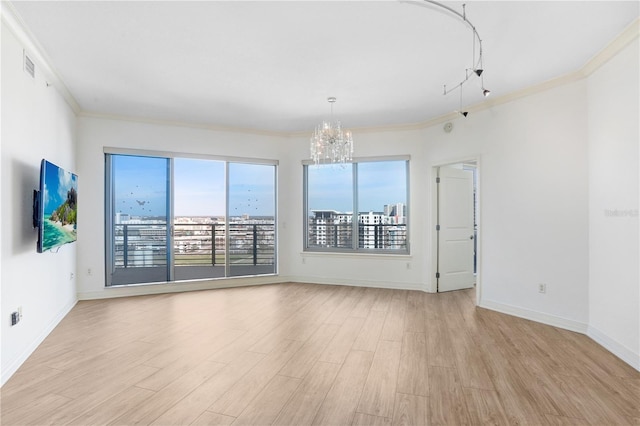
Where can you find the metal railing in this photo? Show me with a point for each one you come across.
(370, 236)
(382, 236)
(139, 245)
(335, 235)
(143, 245)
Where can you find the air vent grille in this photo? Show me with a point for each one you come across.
(29, 66)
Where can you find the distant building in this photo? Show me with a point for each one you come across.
(330, 228)
(377, 230)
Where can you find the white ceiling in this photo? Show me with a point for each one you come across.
(269, 65)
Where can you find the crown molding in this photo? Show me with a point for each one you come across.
(176, 123)
(12, 20)
(628, 35)
(14, 23)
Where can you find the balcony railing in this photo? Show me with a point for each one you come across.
(139, 245)
(370, 236)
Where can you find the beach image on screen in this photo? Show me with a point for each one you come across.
(60, 200)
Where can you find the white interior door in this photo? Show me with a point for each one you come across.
(455, 237)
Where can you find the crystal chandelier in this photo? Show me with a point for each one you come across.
(329, 143)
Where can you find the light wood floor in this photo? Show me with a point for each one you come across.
(299, 354)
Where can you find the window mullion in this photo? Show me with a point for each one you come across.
(170, 220)
(355, 230)
(305, 206)
(227, 221)
(109, 232)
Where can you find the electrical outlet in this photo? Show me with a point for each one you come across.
(89, 271)
(71, 275)
(408, 265)
(304, 260)
(542, 288)
(15, 318)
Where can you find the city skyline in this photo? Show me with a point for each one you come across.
(141, 186)
(330, 187)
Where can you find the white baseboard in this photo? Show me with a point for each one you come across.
(624, 353)
(177, 287)
(619, 350)
(355, 283)
(616, 348)
(16, 363)
(537, 316)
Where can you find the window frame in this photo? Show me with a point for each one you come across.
(108, 152)
(355, 231)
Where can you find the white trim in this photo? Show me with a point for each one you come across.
(432, 280)
(625, 354)
(364, 159)
(17, 363)
(628, 35)
(176, 154)
(358, 254)
(178, 287)
(612, 49)
(176, 123)
(355, 283)
(616, 348)
(11, 18)
(536, 316)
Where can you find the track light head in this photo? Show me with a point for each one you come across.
(464, 113)
(478, 72)
(486, 92)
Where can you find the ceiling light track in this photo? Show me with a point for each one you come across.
(477, 68)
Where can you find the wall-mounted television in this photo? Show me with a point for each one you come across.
(55, 207)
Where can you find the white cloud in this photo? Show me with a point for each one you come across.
(45, 196)
(64, 183)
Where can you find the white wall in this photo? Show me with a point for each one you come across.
(375, 270)
(533, 183)
(94, 134)
(36, 123)
(614, 283)
(547, 166)
(533, 197)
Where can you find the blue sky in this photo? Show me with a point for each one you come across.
(199, 187)
(140, 186)
(379, 183)
(57, 183)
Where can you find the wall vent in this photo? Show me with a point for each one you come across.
(29, 65)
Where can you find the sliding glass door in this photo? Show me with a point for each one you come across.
(139, 219)
(180, 219)
(252, 227)
(198, 219)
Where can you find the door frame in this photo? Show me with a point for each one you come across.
(433, 235)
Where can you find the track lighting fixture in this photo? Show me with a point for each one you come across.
(460, 111)
(485, 92)
(476, 67)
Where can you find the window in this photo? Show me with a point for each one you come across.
(177, 219)
(376, 190)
